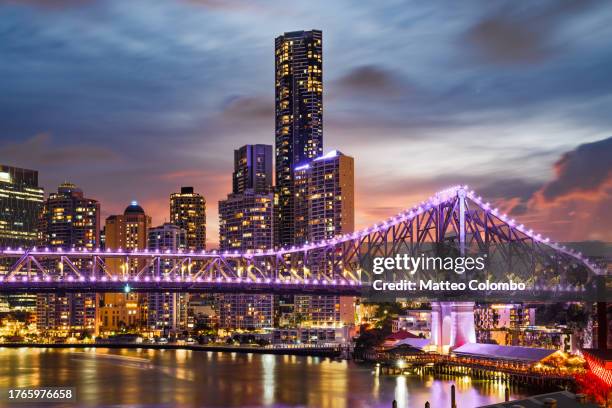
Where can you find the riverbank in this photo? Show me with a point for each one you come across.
(331, 352)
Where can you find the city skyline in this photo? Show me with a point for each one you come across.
(376, 106)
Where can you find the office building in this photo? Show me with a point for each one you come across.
(69, 220)
(167, 311)
(298, 115)
(21, 200)
(188, 211)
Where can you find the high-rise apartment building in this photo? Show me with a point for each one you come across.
(246, 222)
(188, 211)
(69, 220)
(299, 115)
(167, 311)
(128, 230)
(245, 312)
(125, 231)
(20, 203)
(324, 208)
(246, 217)
(252, 168)
(167, 236)
(324, 198)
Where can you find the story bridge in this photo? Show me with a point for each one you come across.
(453, 223)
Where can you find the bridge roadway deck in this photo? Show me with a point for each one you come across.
(191, 287)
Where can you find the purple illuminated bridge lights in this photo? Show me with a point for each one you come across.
(224, 264)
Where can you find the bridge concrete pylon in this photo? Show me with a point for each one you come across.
(452, 325)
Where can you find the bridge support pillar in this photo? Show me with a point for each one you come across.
(452, 325)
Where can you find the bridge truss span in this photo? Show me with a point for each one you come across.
(454, 222)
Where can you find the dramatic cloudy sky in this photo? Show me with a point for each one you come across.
(132, 99)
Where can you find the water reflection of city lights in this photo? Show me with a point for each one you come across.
(401, 391)
(268, 364)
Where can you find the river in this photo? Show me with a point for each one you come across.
(183, 378)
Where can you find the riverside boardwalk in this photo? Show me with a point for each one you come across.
(508, 364)
(331, 351)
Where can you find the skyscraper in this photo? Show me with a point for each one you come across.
(246, 222)
(20, 203)
(69, 220)
(167, 311)
(188, 211)
(299, 115)
(252, 168)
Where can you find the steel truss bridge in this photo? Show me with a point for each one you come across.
(454, 222)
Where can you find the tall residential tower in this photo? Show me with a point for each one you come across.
(246, 217)
(69, 220)
(299, 115)
(252, 168)
(246, 222)
(188, 211)
(324, 198)
(325, 208)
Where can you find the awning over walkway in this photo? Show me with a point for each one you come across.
(507, 353)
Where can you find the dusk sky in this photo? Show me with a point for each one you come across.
(133, 99)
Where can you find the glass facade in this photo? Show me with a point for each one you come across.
(21, 201)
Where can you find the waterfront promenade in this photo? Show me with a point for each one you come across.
(319, 350)
(477, 368)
